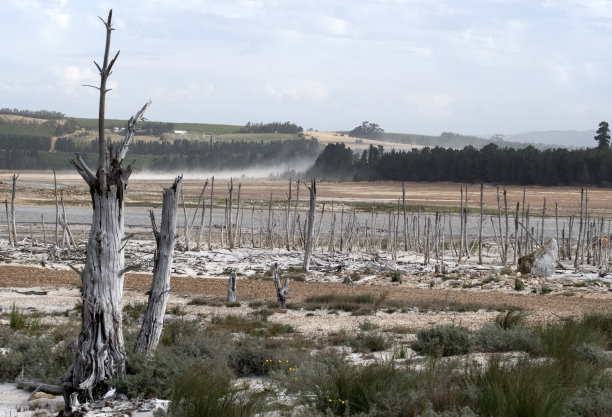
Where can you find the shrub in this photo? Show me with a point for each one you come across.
(511, 319)
(443, 341)
(366, 342)
(21, 321)
(206, 390)
(493, 338)
(518, 285)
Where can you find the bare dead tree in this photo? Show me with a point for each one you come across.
(231, 289)
(13, 225)
(201, 228)
(311, 219)
(100, 353)
(8, 224)
(230, 234)
(56, 211)
(210, 214)
(282, 290)
(153, 321)
(480, 224)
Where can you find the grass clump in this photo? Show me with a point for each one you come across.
(443, 341)
(519, 285)
(22, 321)
(207, 390)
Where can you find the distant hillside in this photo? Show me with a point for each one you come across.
(568, 138)
(457, 141)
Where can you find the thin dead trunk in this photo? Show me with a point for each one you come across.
(185, 225)
(311, 219)
(480, 225)
(578, 245)
(8, 224)
(210, 214)
(287, 216)
(231, 289)
(56, 211)
(230, 233)
(282, 290)
(14, 227)
(153, 321)
(201, 228)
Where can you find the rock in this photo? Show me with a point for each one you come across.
(540, 262)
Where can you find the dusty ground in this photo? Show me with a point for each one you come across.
(36, 187)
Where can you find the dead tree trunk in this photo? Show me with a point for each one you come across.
(100, 351)
(480, 225)
(153, 321)
(14, 227)
(210, 214)
(8, 225)
(230, 233)
(231, 289)
(56, 211)
(282, 291)
(311, 218)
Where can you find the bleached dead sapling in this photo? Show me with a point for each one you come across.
(231, 289)
(153, 321)
(311, 219)
(282, 290)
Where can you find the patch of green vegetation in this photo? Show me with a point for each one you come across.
(22, 321)
(443, 341)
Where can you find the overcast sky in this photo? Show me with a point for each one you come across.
(412, 66)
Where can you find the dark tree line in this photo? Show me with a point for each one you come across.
(39, 114)
(275, 127)
(490, 164)
(209, 155)
(13, 142)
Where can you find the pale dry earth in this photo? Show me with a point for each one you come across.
(36, 188)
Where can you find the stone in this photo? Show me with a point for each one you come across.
(540, 262)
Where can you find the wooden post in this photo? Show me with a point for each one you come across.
(153, 320)
(405, 224)
(311, 219)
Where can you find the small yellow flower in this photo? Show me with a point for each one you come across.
(329, 399)
(342, 402)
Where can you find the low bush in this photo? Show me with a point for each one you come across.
(493, 338)
(206, 390)
(443, 341)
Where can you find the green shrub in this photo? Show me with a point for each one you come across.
(525, 389)
(545, 289)
(40, 358)
(492, 338)
(368, 325)
(21, 321)
(396, 276)
(206, 390)
(367, 342)
(518, 285)
(443, 341)
(510, 319)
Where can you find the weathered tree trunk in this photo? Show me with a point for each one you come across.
(100, 351)
(580, 228)
(287, 216)
(14, 227)
(480, 225)
(42, 222)
(231, 289)
(230, 233)
(8, 224)
(282, 290)
(311, 218)
(210, 215)
(201, 228)
(153, 321)
(56, 211)
(461, 227)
